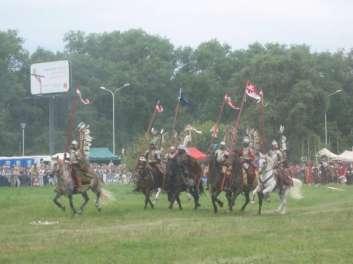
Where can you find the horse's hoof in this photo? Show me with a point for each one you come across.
(180, 208)
(99, 209)
(63, 208)
(220, 204)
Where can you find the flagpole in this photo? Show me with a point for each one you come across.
(175, 119)
(220, 114)
(71, 123)
(262, 125)
(237, 121)
(150, 124)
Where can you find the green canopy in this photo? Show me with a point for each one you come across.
(102, 155)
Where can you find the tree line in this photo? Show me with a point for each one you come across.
(296, 83)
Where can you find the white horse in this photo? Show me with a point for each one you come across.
(268, 182)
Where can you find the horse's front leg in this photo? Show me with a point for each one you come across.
(98, 198)
(282, 208)
(178, 201)
(157, 194)
(196, 196)
(171, 199)
(215, 200)
(229, 196)
(247, 200)
(85, 201)
(260, 197)
(56, 201)
(149, 199)
(74, 211)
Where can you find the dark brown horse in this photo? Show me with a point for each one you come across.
(148, 179)
(245, 179)
(232, 181)
(219, 180)
(183, 173)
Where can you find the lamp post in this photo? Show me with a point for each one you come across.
(23, 126)
(113, 92)
(336, 92)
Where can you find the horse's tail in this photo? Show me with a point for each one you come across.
(107, 196)
(296, 190)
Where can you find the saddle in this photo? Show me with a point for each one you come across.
(284, 177)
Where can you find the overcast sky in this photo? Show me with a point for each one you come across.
(322, 24)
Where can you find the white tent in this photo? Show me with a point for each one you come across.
(346, 156)
(326, 153)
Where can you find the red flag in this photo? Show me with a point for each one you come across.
(230, 102)
(251, 91)
(159, 108)
(84, 101)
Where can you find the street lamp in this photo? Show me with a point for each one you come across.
(23, 126)
(113, 92)
(336, 92)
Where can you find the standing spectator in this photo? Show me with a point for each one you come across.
(341, 172)
(308, 173)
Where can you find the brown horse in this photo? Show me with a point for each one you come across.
(65, 186)
(245, 179)
(147, 180)
(183, 173)
(232, 181)
(219, 180)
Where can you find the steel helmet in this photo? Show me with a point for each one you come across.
(274, 144)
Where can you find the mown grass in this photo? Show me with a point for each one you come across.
(317, 229)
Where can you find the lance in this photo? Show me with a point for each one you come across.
(262, 125)
(216, 126)
(71, 123)
(237, 121)
(175, 120)
(150, 124)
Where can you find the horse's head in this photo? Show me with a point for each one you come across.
(265, 163)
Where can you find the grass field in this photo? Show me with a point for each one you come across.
(317, 229)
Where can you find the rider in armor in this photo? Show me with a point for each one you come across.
(221, 153)
(221, 156)
(276, 154)
(247, 156)
(74, 163)
(153, 156)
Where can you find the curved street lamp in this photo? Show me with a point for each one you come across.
(113, 92)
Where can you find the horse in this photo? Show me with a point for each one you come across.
(183, 173)
(219, 180)
(246, 179)
(271, 180)
(148, 180)
(65, 186)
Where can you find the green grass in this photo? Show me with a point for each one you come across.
(317, 229)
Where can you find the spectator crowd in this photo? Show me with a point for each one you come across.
(41, 174)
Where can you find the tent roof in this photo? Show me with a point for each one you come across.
(327, 153)
(196, 154)
(101, 154)
(345, 156)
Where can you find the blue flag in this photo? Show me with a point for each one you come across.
(183, 100)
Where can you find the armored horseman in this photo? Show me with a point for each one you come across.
(153, 157)
(247, 156)
(78, 158)
(280, 163)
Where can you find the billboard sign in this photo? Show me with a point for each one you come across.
(50, 77)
